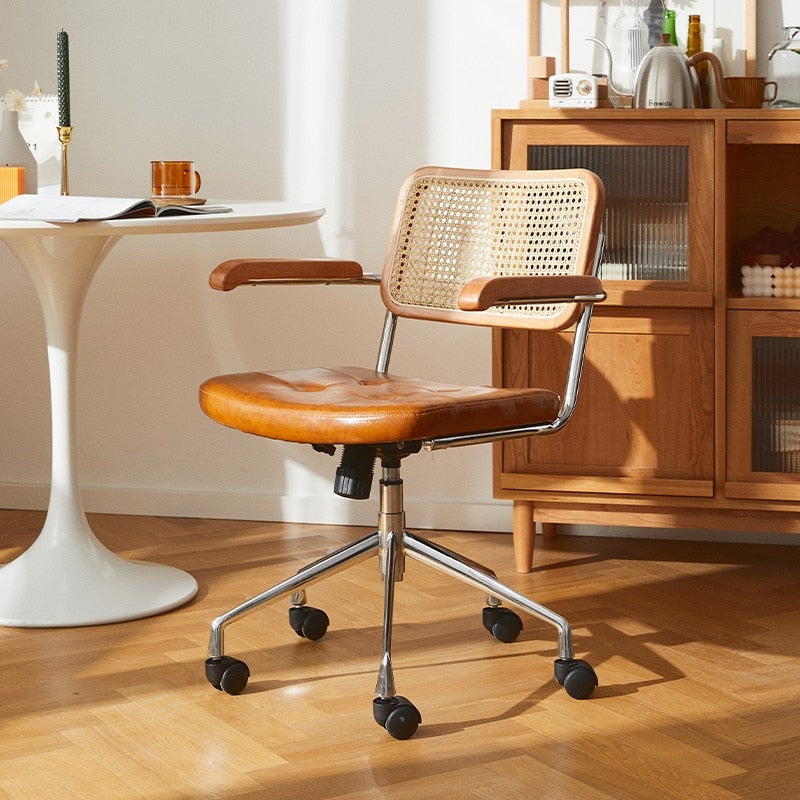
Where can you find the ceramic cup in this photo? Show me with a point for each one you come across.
(750, 92)
(175, 179)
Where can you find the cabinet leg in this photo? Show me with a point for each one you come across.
(524, 531)
(549, 530)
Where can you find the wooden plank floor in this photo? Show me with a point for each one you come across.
(697, 647)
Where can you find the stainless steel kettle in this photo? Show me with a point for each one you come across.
(666, 78)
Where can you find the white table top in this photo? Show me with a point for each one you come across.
(244, 216)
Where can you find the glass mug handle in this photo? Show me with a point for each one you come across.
(197, 180)
(774, 86)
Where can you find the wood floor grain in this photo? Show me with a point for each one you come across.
(697, 647)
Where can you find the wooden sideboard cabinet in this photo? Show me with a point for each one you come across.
(689, 412)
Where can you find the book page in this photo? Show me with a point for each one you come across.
(70, 208)
(76, 208)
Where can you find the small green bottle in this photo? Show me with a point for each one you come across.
(669, 25)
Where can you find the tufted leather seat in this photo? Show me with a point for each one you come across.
(353, 405)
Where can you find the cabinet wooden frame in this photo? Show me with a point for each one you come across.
(747, 168)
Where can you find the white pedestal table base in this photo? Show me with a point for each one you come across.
(66, 577)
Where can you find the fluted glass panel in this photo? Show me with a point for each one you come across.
(776, 404)
(647, 204)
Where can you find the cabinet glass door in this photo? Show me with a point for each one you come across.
(646, 219)
(659, 178)
(775, 410)
(763, 439)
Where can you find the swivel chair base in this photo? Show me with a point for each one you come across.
(392, 542)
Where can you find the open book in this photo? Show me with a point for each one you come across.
(74, 208)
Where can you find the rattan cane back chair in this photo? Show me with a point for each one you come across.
(501, 249)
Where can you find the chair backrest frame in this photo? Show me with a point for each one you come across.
(452, 225)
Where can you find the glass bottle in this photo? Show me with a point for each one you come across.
(669, 25)
(629, 44)
(654, 17)
(694, 44)
(784, 69)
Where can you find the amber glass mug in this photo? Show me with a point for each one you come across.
(175, 179)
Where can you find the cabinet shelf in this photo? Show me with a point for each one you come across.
(764, 304)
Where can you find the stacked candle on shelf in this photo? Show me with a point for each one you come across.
(770, 261)
(786, 282)
(765, 279)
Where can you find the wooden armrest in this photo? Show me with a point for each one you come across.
(482, 293)
(236, 272)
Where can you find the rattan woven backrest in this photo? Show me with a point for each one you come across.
(452, 226)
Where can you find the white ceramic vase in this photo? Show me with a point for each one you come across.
(14, 150)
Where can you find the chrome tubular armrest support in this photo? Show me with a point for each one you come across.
(387, 341)
(568, 401)
(568, 398)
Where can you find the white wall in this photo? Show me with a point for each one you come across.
(329, 100)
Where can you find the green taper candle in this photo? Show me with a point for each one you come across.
(62, 69)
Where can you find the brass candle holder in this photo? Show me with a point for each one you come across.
(64, 136)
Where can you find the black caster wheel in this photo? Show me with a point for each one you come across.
(576, 676)
(503, 624)
(308, 622)
(227, 674)
(398, 715)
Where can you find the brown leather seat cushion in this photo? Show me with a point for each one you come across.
(351, 405)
